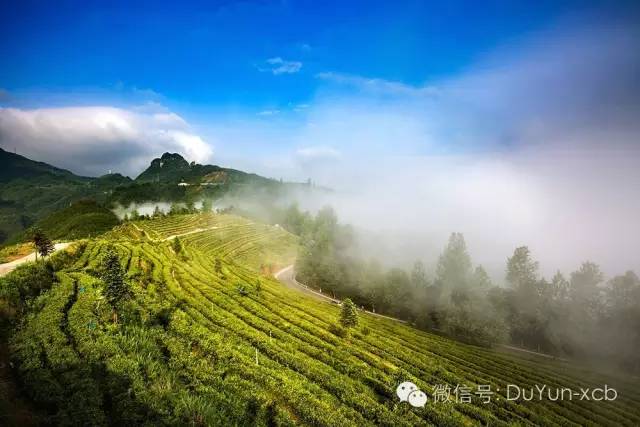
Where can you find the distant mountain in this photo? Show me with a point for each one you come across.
(112, 180)
(32, 191)
(172, 168)
(15, 166)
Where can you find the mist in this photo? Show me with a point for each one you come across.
(534, 145)
(567, 208)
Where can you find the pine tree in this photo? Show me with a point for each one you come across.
(115, 290)
(349, 314)
(176, 244)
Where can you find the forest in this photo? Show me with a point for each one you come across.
(579, 315)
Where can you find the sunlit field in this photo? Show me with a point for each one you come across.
(211, 338)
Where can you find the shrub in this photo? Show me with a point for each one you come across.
(339, 331)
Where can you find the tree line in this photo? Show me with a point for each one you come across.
(579, 316)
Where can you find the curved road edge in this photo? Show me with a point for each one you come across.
(288, 278)
(8, 267)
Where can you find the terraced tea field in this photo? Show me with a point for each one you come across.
(210, 338)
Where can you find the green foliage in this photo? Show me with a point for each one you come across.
(207, 205)
(30, 191)
(185, 350)
(20, 287)
(475, 324)
(348, 314)
(33, 191)
(242, 289)
(176, 245)
(84, 218)
(339, 330)
(522, 271)
(43, 245)
(454, 265)
(115, 289)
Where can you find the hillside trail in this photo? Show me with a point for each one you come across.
(197, 230)
(287, 277)
(8, 267)
(173, 236)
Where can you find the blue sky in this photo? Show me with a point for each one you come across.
(266, 85)
(206, 55)
(513, 122)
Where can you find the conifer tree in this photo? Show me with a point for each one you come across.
(115, 290)
(176, 244)
(349, 314)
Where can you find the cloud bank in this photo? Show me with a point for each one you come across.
(536, 144)
(94, 140)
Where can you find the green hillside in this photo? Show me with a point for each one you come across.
(15, 166)
(84, 218)
(209, 338)
(31, 191)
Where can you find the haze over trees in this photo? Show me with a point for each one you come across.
(581, 317)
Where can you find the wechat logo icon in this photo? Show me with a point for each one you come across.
(409, 392)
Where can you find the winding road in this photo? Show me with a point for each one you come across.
(8, 267)
(287, 276)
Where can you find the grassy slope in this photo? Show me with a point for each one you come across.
(84, 218)
(188, 351)
(12, 253)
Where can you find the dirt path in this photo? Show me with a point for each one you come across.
(173, 236)
(287, 277)
(10, 266)
(197, 230)
(524, 350)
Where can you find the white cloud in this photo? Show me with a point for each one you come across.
(277, 65)
(268, 112)
(378, 86)
(300, 107)
(317, 153)
(92, 140)
(193, 147)
(536, 145)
